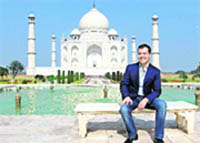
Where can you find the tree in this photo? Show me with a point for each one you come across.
(39, 77)
(72, 76)
(63, 77)
(51, 78)
(82, 75)
(195, 76)
(179, 72)
(68, 77)
(107, 75)
(3, 72)
(183, 76)
(113, 76)
(196, 71)
(58, 77)
(15, 67)
(118, 74)
(77, 76)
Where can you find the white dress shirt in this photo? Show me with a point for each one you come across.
(142, 74)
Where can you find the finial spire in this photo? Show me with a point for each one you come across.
(94, 5)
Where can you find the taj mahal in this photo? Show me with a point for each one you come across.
(93, 48)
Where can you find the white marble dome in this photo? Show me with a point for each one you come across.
(31, 16)
(75, 32)
(112, 32)
(94, 20)
(155, 17)
(53, 36)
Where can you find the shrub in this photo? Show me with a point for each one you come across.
(107, 75)
(164, 80)
(26, 81)
(4, 80)
(43, 80)
(39, 77)
(176, 80)
(51, 78)
(63, 77)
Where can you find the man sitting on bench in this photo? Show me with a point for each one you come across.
(140, 88)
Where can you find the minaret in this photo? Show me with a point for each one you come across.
(134, 60)
(53, 54)
(31, 45)
(94, 5)
(155, 43)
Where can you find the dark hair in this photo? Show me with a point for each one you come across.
(144, 46)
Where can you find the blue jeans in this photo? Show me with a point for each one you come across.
(157, 104)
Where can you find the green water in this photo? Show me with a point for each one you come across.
(63, 100)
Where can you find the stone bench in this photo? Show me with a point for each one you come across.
(185, 113)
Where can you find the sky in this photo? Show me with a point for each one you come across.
(179, 27)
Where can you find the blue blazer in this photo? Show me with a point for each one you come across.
(129, 86)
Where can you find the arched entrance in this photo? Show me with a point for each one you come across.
(94, 56)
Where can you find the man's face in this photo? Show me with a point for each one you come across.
(143, 55)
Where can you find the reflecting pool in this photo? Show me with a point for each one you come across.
(62, 100)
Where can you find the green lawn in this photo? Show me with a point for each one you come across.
(31, 81)
(177, 79)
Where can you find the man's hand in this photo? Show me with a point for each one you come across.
(127, 100)
(143, 103)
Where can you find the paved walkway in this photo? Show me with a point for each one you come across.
(104, 129)
(96, 80)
